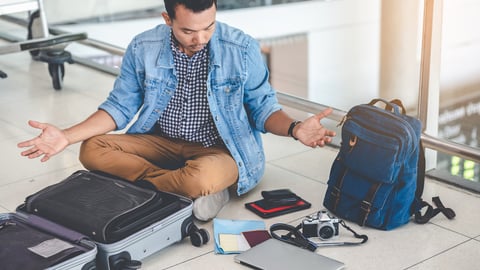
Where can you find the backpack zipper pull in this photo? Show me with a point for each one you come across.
(344, 119)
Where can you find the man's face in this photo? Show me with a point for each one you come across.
(192, 30)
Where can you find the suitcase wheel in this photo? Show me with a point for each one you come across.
(123, 261)
(199, 237)
(130, 265)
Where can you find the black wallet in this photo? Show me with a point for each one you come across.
(277, 202)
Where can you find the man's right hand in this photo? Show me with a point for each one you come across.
(50, 142)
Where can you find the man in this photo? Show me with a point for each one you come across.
(201, 91)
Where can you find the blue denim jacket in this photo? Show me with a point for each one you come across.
(239, 94)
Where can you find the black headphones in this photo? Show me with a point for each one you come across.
(294, 236)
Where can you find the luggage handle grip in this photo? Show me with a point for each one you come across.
(55, 229)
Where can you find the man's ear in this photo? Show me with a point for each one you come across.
(167, 18)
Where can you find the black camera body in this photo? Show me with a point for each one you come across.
(320, 225)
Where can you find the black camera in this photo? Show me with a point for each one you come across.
(320, 225)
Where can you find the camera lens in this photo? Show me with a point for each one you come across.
(326, 231)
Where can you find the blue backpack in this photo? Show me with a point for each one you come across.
(377, 177)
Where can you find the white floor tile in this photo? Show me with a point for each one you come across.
(15, 167)
(10, 131)
(313, 163)
(463, 256)
(61, 108)
(207, 261)
(278, 147)
(396, 249)
(464, 203)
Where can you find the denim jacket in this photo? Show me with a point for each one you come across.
(239, 94)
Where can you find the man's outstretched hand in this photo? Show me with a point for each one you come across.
(312, 133)
(50, 142)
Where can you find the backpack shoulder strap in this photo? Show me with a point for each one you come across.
(432, 212)
(419, 203)
(420, 171)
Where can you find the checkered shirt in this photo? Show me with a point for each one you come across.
(187, 115)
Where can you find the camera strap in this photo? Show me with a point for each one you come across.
(364, 237)
(295, 237)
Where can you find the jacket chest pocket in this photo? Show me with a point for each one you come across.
(231, 95)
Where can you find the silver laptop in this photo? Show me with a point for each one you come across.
(274, 254)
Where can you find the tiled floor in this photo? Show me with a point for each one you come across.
(27, 93)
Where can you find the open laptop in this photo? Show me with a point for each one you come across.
(274, 254)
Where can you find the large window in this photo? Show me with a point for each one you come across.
(459, 118)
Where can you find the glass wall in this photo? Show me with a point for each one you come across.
(459, 116)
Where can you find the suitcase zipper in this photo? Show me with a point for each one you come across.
(31, 198)
(7, 224)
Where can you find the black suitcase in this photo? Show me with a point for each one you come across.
(127, 222)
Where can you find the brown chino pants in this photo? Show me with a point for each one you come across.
(171, 165)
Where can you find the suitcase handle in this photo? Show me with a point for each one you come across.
(55, 229)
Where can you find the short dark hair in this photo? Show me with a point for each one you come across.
(193, 5)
